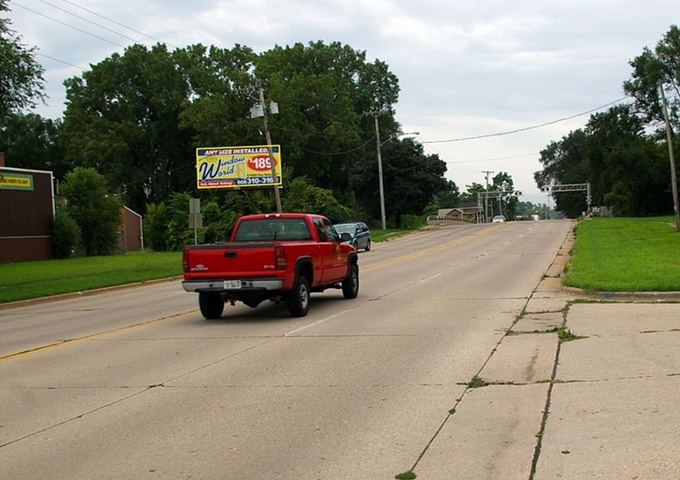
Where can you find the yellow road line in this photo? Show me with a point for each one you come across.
(50, 346)
(60, 343)
(434, 249)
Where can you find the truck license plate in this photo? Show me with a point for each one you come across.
(232, 284)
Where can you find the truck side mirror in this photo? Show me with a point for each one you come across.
(345, 237)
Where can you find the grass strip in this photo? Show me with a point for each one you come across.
(610, 255)
(20, 281)
(626, 255)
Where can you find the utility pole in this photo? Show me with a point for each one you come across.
(277, 196)
(486, 197)
(260, 110)
(381, 187)
(674, 178)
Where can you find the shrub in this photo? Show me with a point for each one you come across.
(156, 226)
(65, 233)
(412, 221)
(96, 212)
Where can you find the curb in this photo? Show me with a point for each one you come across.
(84, 293)
(659, 297)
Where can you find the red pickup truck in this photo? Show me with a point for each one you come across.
(278, 257)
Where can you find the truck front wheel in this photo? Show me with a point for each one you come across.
(350, 286)
(211, 306)
(298, 298)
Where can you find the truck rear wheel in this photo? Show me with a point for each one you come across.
(350, 285)
(298, 298)
(211, 306)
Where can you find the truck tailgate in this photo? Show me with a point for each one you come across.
(231, 260)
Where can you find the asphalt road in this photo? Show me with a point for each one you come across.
(134, 383)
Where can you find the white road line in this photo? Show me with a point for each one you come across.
(430, 278)
(318, 322)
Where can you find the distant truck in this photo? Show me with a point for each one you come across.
(278, 257)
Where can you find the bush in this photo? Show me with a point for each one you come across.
(156, 226)
(96, 212)
(413, 221)
(217, 222)
(65, 233)
(301, 196)
(178, 234)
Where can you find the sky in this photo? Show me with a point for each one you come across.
(488, 84)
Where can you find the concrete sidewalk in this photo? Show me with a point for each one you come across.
(599, 400)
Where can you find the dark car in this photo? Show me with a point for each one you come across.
(361, 236)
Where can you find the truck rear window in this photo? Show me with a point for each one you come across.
(272, 229)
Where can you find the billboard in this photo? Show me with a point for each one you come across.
(16, 181)
(235, 167)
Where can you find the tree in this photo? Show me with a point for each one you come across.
(31, 141)
(505, 203)
(95, 210)
(628, 169)
(138, 117)
(651, 67)
(471, 195)
(21, 77)
(653, 71)
(449, 198)
(122, 118)
(301, 196)
(324, 94)
(411, 180)
(65, 233)
(156, 226)
(565, 162)
(217, 111)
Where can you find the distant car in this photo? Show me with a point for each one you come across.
(361, 236)
(498, 219)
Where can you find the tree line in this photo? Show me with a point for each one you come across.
(133, 122)
(623, 152)
(137, 118)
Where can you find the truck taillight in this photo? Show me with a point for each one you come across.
(185, 260)
(280, 258)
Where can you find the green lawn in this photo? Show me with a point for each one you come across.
(626, 255)
(610, 254)
(19, 281)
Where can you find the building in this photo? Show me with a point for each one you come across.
(26, 214)
(467, 213)
(131, 231)
(27, 205)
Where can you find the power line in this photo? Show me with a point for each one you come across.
(60, 61)
(533, 127)
(83, 31)
(117, 23)
(497, 159)
(88, 21)
(70, 26)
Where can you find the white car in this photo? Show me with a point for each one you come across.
(498, 219)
